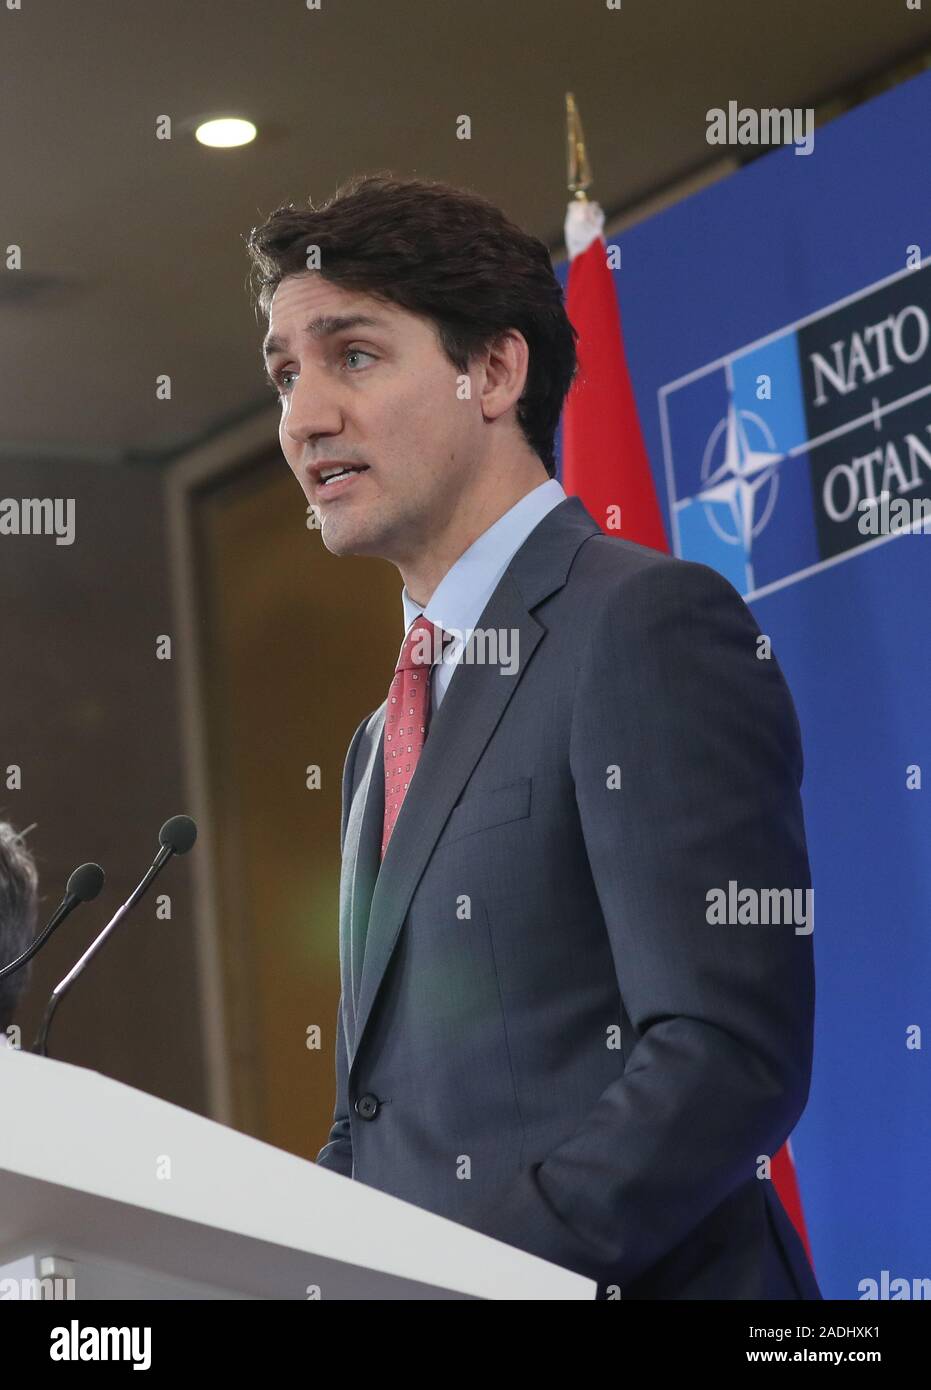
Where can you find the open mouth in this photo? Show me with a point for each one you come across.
(349, 471)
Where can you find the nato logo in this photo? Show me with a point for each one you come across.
(782, 457)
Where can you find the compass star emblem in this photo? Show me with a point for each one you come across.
(739, 478)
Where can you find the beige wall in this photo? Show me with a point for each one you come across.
(92, 718)
(297, 647)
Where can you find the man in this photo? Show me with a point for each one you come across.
(18, 909)
(544, 1032)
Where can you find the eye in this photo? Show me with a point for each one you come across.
(358, 352)
(276, 381)
(280, 383)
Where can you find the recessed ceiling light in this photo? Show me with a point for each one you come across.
(226, 132)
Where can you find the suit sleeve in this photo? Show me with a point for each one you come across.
(673, 694)
(337, 1151)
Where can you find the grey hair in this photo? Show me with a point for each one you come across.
(19, 905)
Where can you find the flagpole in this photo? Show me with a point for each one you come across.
(578, 169)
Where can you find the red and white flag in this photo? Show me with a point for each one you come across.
(604, 459)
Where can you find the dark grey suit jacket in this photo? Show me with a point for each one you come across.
(540, 1034)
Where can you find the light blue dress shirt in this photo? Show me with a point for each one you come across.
(459, 599)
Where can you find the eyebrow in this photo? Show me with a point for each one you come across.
(324, 327)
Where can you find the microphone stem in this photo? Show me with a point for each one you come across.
(62, 988)
(61, 912)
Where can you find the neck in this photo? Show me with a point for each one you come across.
(423, 573)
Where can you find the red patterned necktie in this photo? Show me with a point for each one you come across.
(407, 716)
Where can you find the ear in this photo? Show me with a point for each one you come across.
(506, 364)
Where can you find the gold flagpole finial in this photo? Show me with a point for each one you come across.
(578, 170)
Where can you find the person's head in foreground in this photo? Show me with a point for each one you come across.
(430, 353)
(18, 909)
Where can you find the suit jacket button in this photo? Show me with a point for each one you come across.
(367, 1106)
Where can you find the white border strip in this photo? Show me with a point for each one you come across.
(914, 530)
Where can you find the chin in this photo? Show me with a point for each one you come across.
(346, 541)
(336, 545)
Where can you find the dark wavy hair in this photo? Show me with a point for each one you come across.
(446, 254)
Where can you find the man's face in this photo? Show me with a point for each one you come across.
(382, 394)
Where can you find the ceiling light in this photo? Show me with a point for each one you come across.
(226, 132)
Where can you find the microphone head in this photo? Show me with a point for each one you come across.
(178, 834)
(85, 883)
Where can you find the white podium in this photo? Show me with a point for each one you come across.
(134, 1198)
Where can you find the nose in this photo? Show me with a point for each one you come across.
(311, 408)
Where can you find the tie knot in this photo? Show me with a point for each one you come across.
(422, 646)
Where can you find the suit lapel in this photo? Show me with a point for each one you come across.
(362, 852)
(472, 706)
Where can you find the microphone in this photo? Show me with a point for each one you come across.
(82, 887)
(176, 836)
